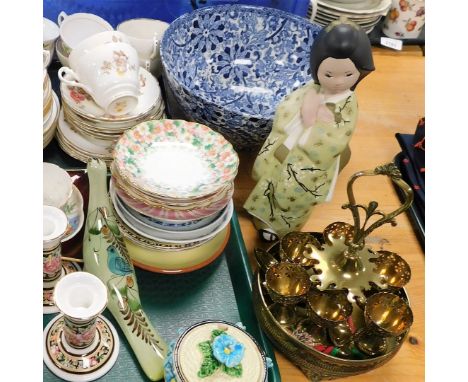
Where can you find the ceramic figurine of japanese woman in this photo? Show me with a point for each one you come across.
(299, 162)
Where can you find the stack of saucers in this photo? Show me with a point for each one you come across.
(172, 185)
(365, 13)
(84, 128)
(50, 110)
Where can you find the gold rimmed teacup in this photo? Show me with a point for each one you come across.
(287, 284)
(296, 247)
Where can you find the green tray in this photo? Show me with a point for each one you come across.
(221, 290)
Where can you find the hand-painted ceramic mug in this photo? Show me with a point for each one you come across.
(145, 36)
(405, 19)
(109, 73)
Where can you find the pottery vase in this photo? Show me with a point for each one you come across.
(106, 256)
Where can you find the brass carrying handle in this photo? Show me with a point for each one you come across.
(360, 233)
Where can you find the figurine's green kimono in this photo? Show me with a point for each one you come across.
(297, 165)
(299, 162)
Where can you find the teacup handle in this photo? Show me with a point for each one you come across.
(45, 57)
(64, 71)
(62, 16)
(313, 13)
(155, 45)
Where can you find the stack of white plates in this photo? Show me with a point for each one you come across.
(85, 130)
(50, 110)
(365, 13)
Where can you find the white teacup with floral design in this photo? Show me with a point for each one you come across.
(96, 40)
(145, 36)
(405, 19)
(81, 297)
(109, 73)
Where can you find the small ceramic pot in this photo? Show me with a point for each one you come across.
(79, 26)
(54, 227)
(145, 36)
(109, 73)
(405, 19)
(81, 297)
(215, 350)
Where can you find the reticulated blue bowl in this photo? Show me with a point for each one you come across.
(229, 66)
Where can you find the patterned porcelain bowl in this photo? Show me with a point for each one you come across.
(229, 66)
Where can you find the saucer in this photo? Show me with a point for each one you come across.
(83, 104)
(48, 293)
(69, 364)
(75, 214)
(79, 142)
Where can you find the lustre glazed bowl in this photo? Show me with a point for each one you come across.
(229, 66)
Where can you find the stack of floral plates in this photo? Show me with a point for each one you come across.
(172, 186)
(85, 130)
(365, 13)
(50, 110)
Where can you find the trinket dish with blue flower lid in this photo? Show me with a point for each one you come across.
(218, 351)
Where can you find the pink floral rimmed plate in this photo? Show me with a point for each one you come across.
(83, 104)
(168, 214)
(175, 158)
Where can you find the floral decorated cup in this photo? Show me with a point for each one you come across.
(88, 44)
(405, 19)
(109, 73)
(81, 297)
(145, 36)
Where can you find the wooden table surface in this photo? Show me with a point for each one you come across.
(391, 100)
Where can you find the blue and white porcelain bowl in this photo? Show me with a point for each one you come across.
(229, 66)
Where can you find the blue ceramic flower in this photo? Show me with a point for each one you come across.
(228, 350)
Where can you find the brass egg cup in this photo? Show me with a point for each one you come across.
(328, 308)
(370, 344)
(387, 314)
(264, 259)
(297, 247)
(393, 268)
(287, 284)
(341, 334)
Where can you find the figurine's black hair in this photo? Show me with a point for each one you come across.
(342, 40)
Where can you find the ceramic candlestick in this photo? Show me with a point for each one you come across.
(54, 227)
(105, 256)
(80, 345)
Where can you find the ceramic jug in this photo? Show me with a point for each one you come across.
(105, 256)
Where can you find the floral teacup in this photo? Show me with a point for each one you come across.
(109, 73)
(405, 19)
